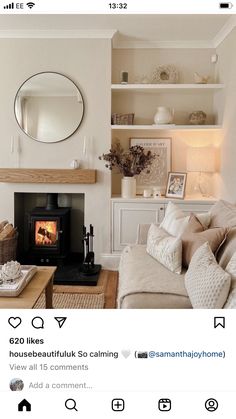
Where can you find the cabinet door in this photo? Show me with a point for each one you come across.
(127, 216)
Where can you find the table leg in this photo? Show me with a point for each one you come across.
(49, 293)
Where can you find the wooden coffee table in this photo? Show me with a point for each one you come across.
(42, 280)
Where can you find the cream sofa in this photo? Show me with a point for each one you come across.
(145, 283)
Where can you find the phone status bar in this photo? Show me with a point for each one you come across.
(122, 7)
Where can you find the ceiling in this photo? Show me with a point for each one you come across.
(130, 28)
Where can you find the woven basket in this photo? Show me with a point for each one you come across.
(122, 118)
(8, 249)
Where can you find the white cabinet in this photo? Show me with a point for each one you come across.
(127, 214)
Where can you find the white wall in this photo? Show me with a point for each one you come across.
(226, 105)
(87, 63)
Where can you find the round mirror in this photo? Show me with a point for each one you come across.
(49, 107)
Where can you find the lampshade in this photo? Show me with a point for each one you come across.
(201, 159)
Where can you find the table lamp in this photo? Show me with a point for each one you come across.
(201, 160)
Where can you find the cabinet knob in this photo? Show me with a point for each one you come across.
(161, 209)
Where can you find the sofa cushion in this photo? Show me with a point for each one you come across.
(195, 235)
(231, 269)
(175, 220)
(227, 249)
(223, 214)
(193, 226)
(165, 248)
(157, 300)
(139, 273)
(206, 282)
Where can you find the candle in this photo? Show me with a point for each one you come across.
(147, 193)
(124, 77)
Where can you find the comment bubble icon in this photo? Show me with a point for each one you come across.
(37, 322)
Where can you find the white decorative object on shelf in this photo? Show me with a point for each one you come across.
(147, 193)
(11, 271)
(144, 79)
(198, 79)
(74, 164)
(128, 187)
(163, 115)
(165, 74)
(157, 193)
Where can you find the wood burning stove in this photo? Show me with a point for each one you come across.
(49, 233)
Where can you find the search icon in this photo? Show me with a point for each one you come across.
(71, 404)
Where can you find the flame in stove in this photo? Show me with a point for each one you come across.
(45, 233)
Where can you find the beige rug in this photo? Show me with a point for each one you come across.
(100, 288)
(66, 300)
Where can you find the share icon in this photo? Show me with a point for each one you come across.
(60, 321)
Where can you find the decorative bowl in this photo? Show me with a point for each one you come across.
(197, 118)
(11, 271)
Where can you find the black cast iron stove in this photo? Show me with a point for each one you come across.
(49, 232)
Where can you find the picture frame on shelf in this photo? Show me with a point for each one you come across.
(176, 185)
(160, 167)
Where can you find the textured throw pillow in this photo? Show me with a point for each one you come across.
(175, 220)
(228, 248)
(206, 282)
(231, 269)
(164, 248)
(194, 236)
(223, 214)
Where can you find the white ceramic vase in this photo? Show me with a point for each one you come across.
(128, 187)
(163, 115)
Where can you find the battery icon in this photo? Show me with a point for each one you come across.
(226, 5)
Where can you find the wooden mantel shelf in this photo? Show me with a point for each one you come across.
(72, 176)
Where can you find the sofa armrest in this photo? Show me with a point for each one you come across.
(142, 232)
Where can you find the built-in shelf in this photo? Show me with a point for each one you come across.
(167, 127)
(164, 87)
(70, 176)
(190, 199)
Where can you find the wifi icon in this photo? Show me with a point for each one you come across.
(30, 4)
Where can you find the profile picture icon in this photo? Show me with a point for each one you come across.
(16, 384)
(211, 405)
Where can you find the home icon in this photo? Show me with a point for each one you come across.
(24, 404)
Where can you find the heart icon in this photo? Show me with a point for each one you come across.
(14, 322)
(126, 353)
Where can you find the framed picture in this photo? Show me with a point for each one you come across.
(158, 170)
(176, 185)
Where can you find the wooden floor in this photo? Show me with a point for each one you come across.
(107, 284)
(111, 289)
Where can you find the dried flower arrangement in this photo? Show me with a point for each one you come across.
(131, 162)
